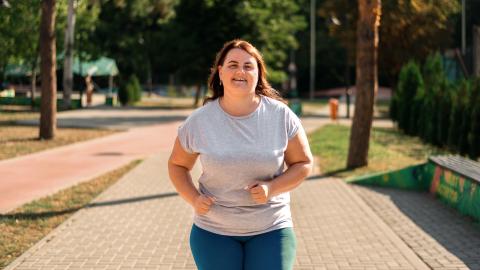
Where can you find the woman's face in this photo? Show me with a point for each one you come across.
(239, 73)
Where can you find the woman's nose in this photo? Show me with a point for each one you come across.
(241, 70)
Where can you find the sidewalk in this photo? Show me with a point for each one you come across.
(142, 223)
(33, 176)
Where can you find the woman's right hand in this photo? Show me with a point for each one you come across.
(202, 204)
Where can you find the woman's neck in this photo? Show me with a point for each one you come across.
(239, 106)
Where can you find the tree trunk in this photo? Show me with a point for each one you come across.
(47, 69)
(68, 60)
(367, 85)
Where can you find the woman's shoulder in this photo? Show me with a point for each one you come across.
(275, 104)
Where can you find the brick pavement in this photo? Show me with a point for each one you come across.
(140, 223)
(440, 236)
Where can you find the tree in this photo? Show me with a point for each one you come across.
(434, 77)
(367, 81)
(409, 29)
(16, 47)
(136, 38)
(409, 84)
(201, 27)
(48, 70)
(474, 135)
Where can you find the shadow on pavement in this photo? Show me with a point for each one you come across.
(110, 122)
(327, 175)
(47, 214)
(458, 234)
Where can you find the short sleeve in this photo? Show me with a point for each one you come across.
(185, 136)
(293, 123)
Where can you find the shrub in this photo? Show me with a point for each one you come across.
(457, 115)
(474, 132)
(443, 112)
(410, 83)
(434, 77)
(130, 92)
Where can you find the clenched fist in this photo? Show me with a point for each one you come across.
(202, 204)
(260, 192)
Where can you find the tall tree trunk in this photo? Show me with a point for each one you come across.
(68, 60)
(367, 84)
(48, 107)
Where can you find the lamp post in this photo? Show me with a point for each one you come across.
(294, 102)
(312, 48)
(463, 29)
(337, 22)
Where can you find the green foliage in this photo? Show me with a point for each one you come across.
(201, 27)
(408, 29)
(469, 103)
(443, 110)
(407, 105)
(133, 33)
(130, 92)
(19, 32)
(434, 77)
(441, 113)
(457, 115)
(474, 134)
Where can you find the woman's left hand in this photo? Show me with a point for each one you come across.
(260, 192)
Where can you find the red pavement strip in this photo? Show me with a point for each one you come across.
(33, 176)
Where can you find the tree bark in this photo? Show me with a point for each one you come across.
(48, 107)
(68, 58)
(366, 83)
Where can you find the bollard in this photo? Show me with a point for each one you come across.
(333, 102)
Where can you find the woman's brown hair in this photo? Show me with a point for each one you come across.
(262, 88)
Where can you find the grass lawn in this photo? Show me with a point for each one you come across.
(382, 108)
(311, 106)
(389, 150)
(16, 140)
(162, 102)
(23, 227)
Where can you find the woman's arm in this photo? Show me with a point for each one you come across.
(179, 166)
(299, 161)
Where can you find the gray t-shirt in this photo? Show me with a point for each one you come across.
(234, 153)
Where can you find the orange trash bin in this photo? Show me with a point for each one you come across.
(333, 102)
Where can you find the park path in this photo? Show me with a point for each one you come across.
(142, 223)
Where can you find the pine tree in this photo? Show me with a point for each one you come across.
(474, 134)
(457, 115)
(433, 76)
(410, 82)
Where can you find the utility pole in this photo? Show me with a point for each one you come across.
(68, 56)
(464, 32)
(312, 48)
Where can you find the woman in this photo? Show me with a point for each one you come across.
(243, 135)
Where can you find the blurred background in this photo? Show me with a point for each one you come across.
(170, 45)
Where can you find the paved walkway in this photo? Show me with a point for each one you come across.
(141, 223)
(146, 132)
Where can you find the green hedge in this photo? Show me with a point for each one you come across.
(130, 91)
(425, 104)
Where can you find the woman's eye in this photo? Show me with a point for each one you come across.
(248, 67)
(232, 66)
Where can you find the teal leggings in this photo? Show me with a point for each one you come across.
(273, 250)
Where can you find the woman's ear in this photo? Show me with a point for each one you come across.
(219, 70)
